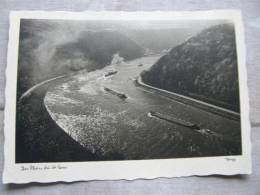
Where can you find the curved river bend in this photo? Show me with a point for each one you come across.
(123, 129)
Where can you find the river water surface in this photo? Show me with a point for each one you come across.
(123, 129)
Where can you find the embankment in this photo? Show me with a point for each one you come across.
(193, 102)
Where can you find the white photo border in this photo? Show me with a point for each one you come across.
(127, 169)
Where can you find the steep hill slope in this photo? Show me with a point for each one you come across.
(204, 67)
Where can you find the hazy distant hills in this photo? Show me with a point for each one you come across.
(50, 49)
(203, 67)
(96, 49)
(158, 40)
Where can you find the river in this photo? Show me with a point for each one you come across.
(123, 129)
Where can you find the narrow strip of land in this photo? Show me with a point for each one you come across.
(33, 88)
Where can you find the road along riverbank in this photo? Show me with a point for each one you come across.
(191, 101)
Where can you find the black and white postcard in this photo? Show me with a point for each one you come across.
(125, 95)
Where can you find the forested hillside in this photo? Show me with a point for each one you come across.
(203, 67)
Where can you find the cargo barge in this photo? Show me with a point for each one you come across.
(118, 94)
(174, 120)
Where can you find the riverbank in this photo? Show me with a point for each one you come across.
(193, 102)
(39, 138)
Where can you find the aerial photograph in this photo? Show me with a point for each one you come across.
(106, 90)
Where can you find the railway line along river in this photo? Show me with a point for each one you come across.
(89, 107)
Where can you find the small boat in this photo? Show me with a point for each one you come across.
(120, 95)
(110, 73)
(140, 64)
